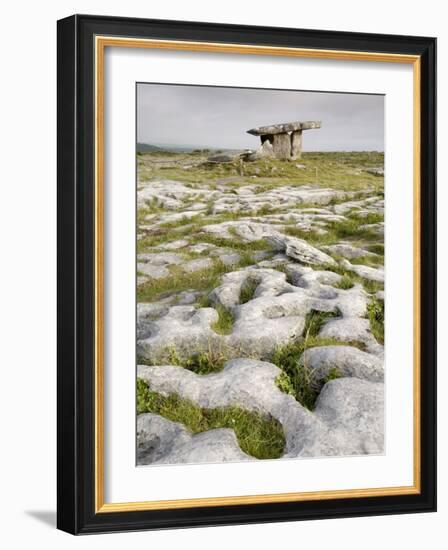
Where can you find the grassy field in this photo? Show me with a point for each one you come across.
(345, 171)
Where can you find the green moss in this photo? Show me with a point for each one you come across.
(260, 436)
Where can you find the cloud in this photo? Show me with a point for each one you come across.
(218, 117)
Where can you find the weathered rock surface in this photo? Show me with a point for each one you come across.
(333, 429)
(351, 329)
(161, 441)
(251, 222)
(355, 407)
(348, 251)
(284, 128)
(183, 328)
(371, 273)
(348, 362)
(300, 250)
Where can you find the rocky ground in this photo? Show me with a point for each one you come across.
(260, 307)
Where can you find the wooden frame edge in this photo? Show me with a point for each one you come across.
(100, 43)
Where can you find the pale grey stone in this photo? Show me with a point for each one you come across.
(161, 441)
(355, 408)
(349, 329)
(220, 158)
(375, 171)
(161, 258)
(156, 436)
(348, 362)
(230, 259)
(187, 297)
(299, 250)
(376, 227)
(153, 271)
(251, 384)
(247, 231)
(177, 216)
(367, 272)
(219, 445)
(348, 251)
(184, 328)
(174, 245)
(284, 128)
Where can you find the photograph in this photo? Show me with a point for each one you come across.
(260, 278)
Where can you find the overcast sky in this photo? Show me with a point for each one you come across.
(218, 117)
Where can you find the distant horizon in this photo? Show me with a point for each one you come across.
(214, 147)
(218, 117)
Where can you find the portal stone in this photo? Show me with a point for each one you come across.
(286, 139)
(296, 144)
(282, 146)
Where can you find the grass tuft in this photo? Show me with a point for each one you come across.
(248, 290)
(375, 313)
(315, 320)
(297, 378)
(371, 261)
(369, 286)
(204, 362)
(345, 283)
(377, 248)
(224, 324)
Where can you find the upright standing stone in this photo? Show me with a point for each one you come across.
(296, 144)
(282, 146)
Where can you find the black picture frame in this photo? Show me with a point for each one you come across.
(76, 255)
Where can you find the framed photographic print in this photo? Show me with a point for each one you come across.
(246, 274)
